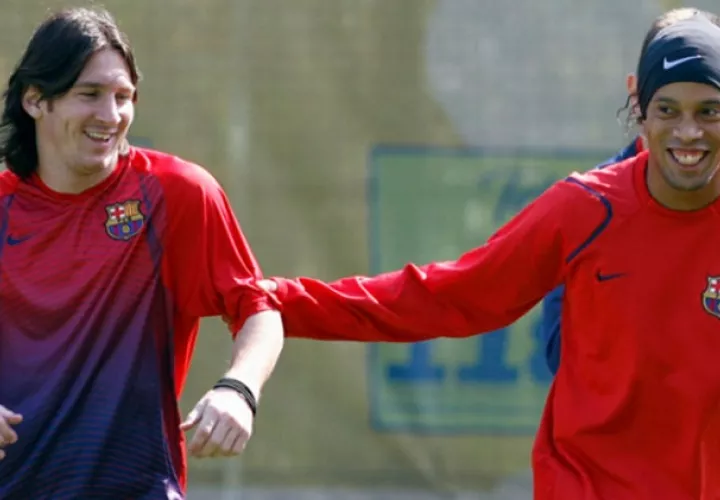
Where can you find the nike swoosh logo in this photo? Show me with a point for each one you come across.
(677, 62)
(607, 277)
(12, 241)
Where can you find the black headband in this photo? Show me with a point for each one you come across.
(686, 51)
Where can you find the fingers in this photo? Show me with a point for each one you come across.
(240, 442)
(267, 285)
(216, 444)
(193, 418)
(225, 440)
(10, 416)
(223, 424)
(218, 439)
(233, 443)
(14, 419)
(202, 434)
(218, 436)
(8, 435)
(191, 421)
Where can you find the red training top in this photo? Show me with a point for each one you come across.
(100, 299)
(632, 411)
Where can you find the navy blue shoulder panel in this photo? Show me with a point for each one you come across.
(603, 224)
(628, 152)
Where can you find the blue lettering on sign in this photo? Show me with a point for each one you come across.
(419, 368)
(496, 382)
(492, 363)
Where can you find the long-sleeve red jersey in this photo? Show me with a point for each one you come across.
(631, 412)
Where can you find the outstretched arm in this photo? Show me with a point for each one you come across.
(487, 288)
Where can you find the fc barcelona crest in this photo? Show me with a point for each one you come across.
(711, 296)
(124, 220)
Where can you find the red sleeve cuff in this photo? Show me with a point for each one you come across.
(249, 308)
(282, 292)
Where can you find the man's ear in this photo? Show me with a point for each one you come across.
(631, 82)
(32, 103)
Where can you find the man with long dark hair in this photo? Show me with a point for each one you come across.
(109, 256)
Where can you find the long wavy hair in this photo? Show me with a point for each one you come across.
(53, 60)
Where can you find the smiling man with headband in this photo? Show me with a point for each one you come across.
(552, 306)
(681, 65)
(633, 412)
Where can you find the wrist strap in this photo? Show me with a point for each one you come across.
(236, 385)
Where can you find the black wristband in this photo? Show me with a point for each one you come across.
(245, 392)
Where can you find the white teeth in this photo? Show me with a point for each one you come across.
(98, 136)
(688, 158)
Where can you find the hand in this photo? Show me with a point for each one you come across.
(224, 424)
(7, 434)
(268, 285)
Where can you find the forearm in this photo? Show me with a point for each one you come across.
(256, 350)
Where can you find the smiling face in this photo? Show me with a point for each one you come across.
(80, 134)
(682, 129)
